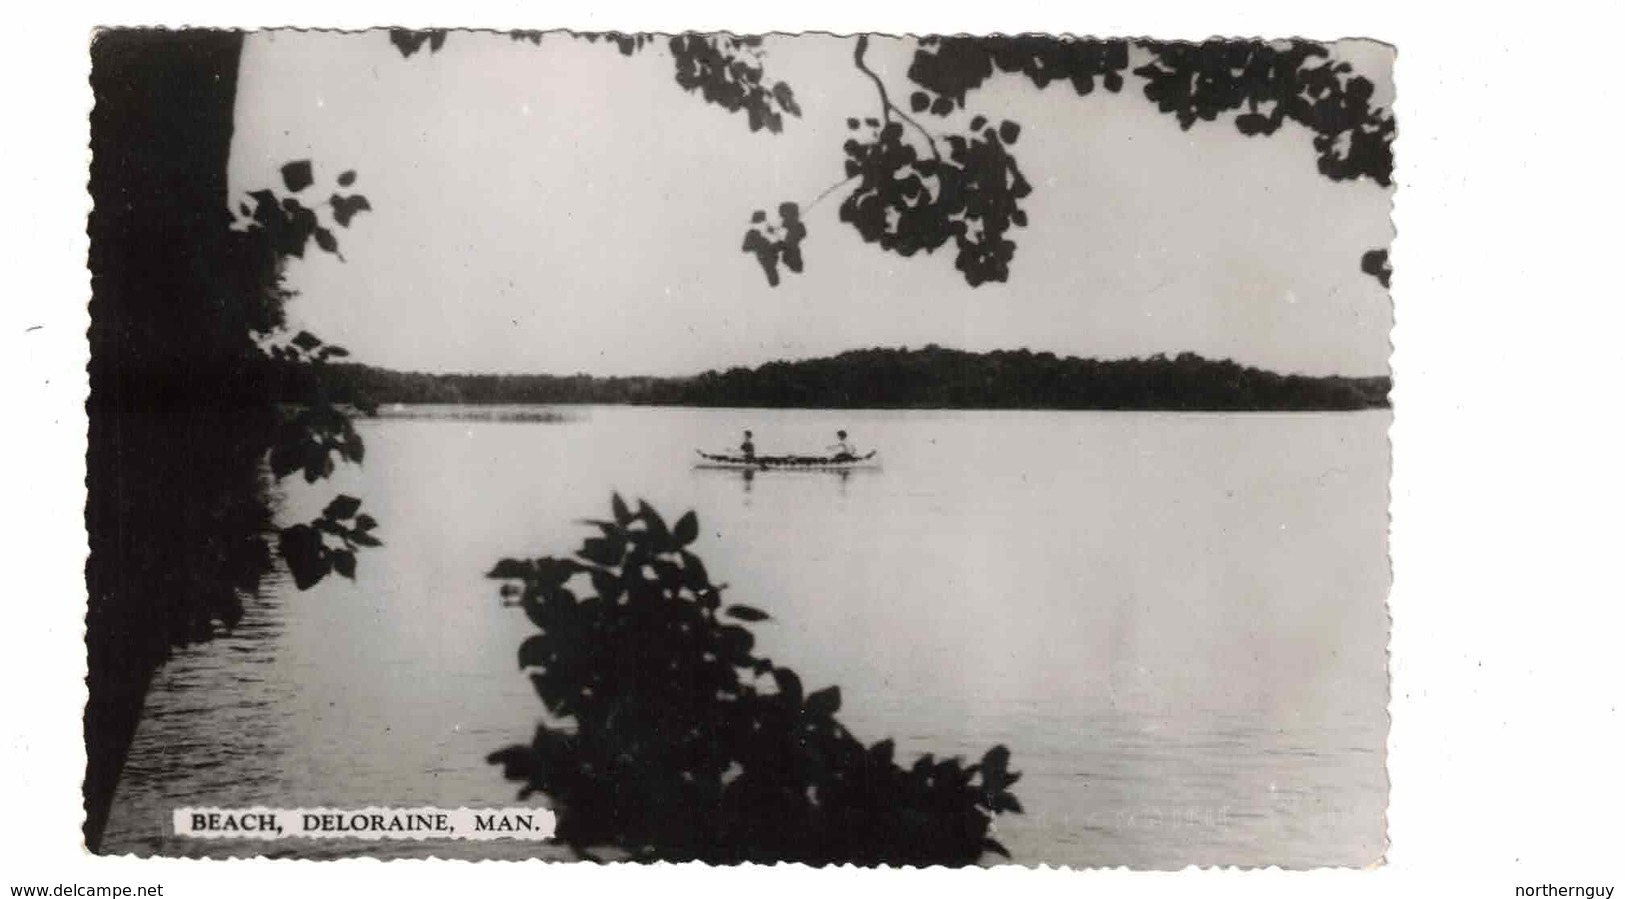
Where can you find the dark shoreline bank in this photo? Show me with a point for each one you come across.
(929, 378)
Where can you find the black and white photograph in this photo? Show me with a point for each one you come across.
(895, 450)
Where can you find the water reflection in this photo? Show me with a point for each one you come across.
(1175, 622)
(747, 476)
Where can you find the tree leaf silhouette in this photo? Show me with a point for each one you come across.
(342, 506)
(345, 207)
(297, 175)
(824, 702)
(686, 529)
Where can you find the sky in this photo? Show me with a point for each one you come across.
(562, 208)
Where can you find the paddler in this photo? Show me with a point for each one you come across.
(842, 450)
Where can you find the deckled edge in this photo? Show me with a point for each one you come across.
(545, 31)
(1394, 408)
(83, 683)
(87, 197)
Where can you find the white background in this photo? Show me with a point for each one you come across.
(1506, 500)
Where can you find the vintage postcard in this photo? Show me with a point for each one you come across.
(872, 449)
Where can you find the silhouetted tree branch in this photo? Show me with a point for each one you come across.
(669, 738)
(887, 107)
(194, 382)
(1274, 81)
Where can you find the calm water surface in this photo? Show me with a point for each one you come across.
(1177, 623)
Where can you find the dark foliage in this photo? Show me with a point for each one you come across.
(928, 378)
(314, 426)
(183, 387)
(1275, 83)
(1268, 83)
(305, 546)
(724, 69)
(775, 242)
(628, 44)
(1375, 264)
(171, 478)
(410, 42)
(948, 68)
(904, 202)
(281, 227)
(669, 738)
(187, 402)
(312, 429)
(727, 70)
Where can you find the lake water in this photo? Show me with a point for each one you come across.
(1176, 622)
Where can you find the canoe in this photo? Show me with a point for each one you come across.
(786, 463)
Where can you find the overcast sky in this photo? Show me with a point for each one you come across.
(563, 208)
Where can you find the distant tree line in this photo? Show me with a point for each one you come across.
(882, 378)
(201, 402)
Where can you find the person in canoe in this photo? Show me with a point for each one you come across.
(841, 450)
(747, 448)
